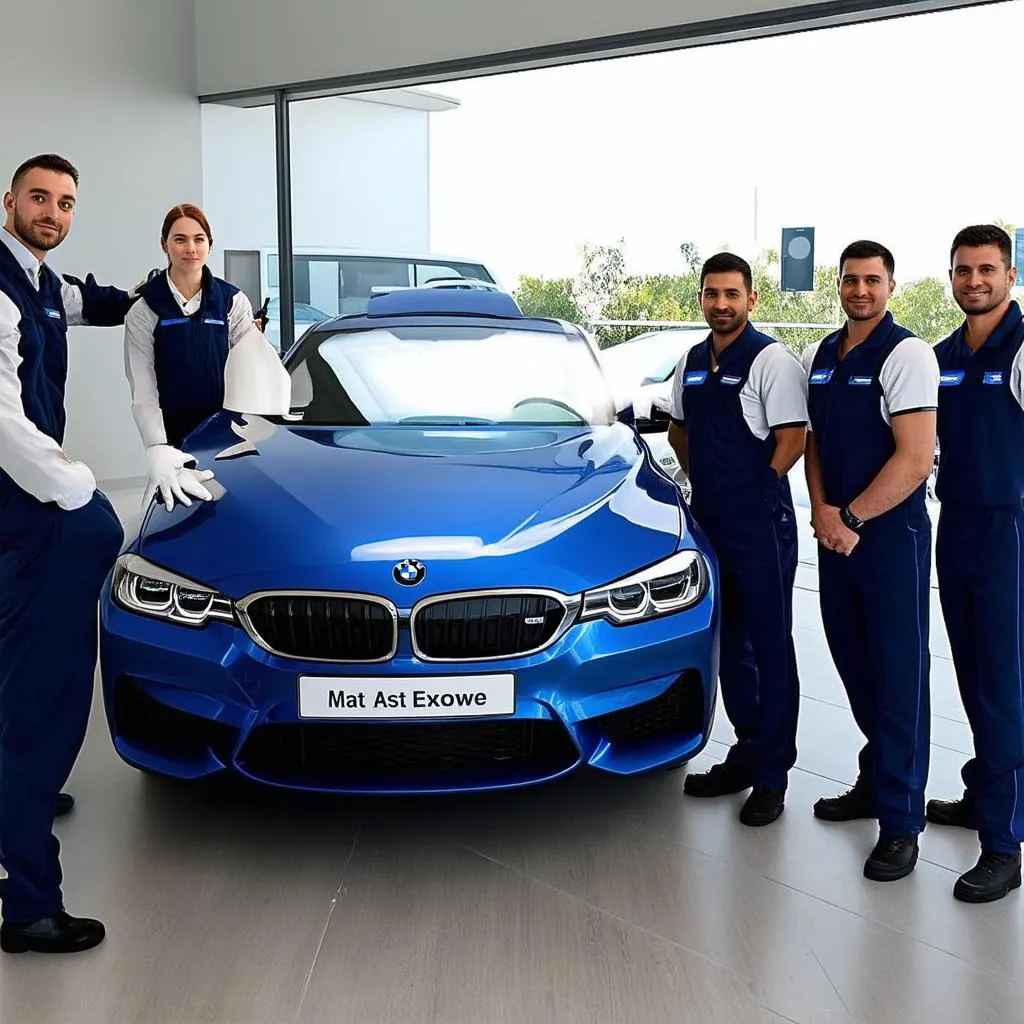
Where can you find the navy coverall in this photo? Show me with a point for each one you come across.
(52, 565)
(190, 353)
(747, 512)
(874, 602)
(981, 565)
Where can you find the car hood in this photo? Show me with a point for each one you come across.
(326, 508)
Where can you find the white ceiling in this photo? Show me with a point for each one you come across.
(246, 46)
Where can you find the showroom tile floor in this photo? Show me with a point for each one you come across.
(591, 900)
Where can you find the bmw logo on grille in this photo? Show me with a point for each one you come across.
(409, 573)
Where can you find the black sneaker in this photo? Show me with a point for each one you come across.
(959, 813)
(893, 857)
(719, 780)
(763, 806)
(993, 877)
(855, 803)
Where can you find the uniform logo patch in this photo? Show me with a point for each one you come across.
(862, 381)
(951, 378)
(993, 377)
(176, 320)
(731, 380)
(54, 314)
(697, 377)
(821, 376)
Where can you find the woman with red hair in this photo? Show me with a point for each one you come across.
(177, 341)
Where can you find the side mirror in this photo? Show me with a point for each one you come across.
(255, 381)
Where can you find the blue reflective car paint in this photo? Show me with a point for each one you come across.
(595, 669)
(565, 508)
(586, 505)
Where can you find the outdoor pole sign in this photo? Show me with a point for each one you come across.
(798, 259)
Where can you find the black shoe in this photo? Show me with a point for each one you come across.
(958, 813)
(719, 780)
(893, 857)
(855, 803)
(65, 805)
(61, 933)
(763, 806)
(993, 877)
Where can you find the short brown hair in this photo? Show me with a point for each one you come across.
(185, 210)
(724, 263)
(978, 235)
(48, 162)
(867, 250)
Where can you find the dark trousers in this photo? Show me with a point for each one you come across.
(981, 568)
(52, 567)
(759, 683)
(874, 606)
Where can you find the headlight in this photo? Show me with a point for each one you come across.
(670, 586)
(147, 589)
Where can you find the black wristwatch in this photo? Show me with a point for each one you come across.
(851, 521)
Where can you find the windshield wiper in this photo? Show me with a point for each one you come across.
(446, 421)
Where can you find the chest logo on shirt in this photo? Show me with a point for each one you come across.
(951, 378)
(993, 377)
(174, 321)
(696, 377)
(731, 380)
(821, 376)
(862, 382)
(53, 314)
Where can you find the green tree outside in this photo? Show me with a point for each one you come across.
(602, 286)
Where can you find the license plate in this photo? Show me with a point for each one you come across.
(360, 697)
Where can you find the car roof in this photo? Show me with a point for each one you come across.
(441, 306)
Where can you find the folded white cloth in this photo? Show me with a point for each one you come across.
(254, 379)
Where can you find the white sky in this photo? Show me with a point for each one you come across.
(903, 131)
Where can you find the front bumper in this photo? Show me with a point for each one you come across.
(191, 702)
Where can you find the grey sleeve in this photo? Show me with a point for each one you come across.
(909, 379)
(780, 382)
(240, 318)
(675, 409)
(807, 357)
(71, 297)
(1017, 377)
(807, 361)
(140, 369)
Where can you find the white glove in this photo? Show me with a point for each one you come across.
(78, 489)
(173, 478)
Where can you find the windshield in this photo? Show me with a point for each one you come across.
(447, 376)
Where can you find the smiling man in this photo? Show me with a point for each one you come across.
(873, 389)
(739, 417)
(978, 551)
(58, 539)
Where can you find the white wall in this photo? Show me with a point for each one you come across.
(360, 176)
(246, 44)
(110, 84)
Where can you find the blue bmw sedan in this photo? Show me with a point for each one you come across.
(452, 566)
